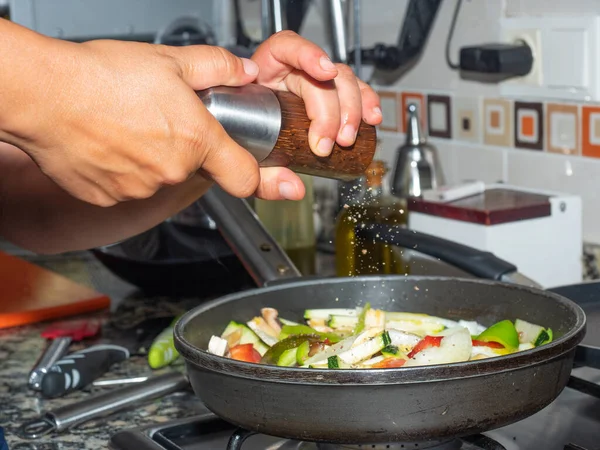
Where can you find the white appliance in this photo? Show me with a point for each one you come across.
(538, 231)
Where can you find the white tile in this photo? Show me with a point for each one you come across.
(563, 130)
(389, 110)
(568, 174)
(438, 118)
(479, 163)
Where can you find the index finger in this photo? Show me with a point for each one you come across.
(287, 49)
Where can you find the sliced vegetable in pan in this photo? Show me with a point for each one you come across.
(368, 338)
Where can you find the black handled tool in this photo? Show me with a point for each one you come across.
(80, 369)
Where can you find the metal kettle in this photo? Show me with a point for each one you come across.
(417, 165)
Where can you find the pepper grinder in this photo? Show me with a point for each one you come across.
(417, 163)
(273, 127)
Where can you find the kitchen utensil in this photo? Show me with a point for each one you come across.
(102, 405)
(273, 127)
(32, 294)
(162, 351)
(77, 370)
(412, 404)
(417, 166)
(119, 381)
(60, 336)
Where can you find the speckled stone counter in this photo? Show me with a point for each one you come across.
(20, 348)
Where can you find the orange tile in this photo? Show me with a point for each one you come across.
(413, 97)
(590, 142)
(527, 124)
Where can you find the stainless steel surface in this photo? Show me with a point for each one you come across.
(117, 399)
(417, 166)
(119, 381)
(55, 350)
(278, 18)
(265, 19)
(519, 278)
(107, 403)
(263, 258)
(251, 116)
(357, 17)
(337, 19)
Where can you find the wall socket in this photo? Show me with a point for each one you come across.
(533, 39)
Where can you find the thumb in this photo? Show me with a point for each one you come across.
(205, 66)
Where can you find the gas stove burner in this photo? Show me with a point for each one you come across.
(475, 442)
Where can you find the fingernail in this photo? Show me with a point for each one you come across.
(250, 67)
(349, 133)
(287, 190)
(377, 111)
(324, 146)
(326, 64)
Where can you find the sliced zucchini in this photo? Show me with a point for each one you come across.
(530, 333)
(326, 313)
(527, 346)
(247, 336)
(391, 351)
(288, 357)
(366, 350)
(342, 322)
(335, 362)
(287, 322)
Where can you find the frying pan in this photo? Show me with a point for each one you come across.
(375, 406)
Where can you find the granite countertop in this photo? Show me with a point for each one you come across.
(20, 348)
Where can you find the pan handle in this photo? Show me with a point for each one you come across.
(260, 254)
(476, 262)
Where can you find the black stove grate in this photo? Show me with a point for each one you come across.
(475, 442)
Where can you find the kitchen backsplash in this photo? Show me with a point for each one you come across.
(553, 127)
(540, 132)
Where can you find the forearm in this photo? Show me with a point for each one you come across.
(24, 78)
(38, 215)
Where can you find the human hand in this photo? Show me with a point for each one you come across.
(335, 99)
(112, 121)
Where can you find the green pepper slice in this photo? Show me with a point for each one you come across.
(291, 330)
(274, 353)
(361, 319)
(503, 332)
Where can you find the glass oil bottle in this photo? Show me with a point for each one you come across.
(356, 256)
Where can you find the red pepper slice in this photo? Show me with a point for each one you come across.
(426, 342)
(490, 344)
(389, 363)
(245, 352)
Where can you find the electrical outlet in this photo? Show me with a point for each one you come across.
(533, 39)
